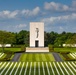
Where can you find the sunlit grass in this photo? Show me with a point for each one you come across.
(10, 49)
(37, 57)
(65, 49)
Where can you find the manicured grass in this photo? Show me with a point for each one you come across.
(11, 49)
(55, 49)
(4, 55)
(37, 57)
(39, 64)
(72, 55)
(38, 68)
(65, 49)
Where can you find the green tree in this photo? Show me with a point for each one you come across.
(72, 40)
(5, 38)
(50, 37)
(60, 40)
(46, 38)
(22, 37)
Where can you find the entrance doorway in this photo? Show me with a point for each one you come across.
(36, 43)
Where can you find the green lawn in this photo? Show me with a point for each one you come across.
(55, 49)
(32, 57)
(4, 55)
(38, 64)
(38, 68)
(65, 49)
(11, 49)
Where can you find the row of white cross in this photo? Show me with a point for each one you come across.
(73, 55)
(1, 54)
(69, 68)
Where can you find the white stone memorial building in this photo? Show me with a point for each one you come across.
(36, 34)
(37, 38)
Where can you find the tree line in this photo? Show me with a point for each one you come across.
(22, 38)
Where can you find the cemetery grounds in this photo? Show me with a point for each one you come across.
(38, 63)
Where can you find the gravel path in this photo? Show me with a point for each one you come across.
(16, 57)
(57, 57)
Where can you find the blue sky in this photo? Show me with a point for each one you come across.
(57, 15)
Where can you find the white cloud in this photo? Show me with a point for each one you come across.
(53, 6)
(14, 14)
(8, 14)
(14, 27)
(25, 12)
(66, 18)
(74, 3)
(61, 28)
(36, 11)
(60, 23)
(33, 12)
(21, 26)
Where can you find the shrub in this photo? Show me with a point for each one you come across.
(17, 46)
(23, 48)
(51, 47)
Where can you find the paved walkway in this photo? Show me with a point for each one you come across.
(57, 57)
(16, 57)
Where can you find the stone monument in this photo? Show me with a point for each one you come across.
(37, 38)
(36, 34)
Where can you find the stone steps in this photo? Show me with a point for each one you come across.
(39, 49)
